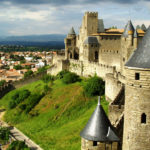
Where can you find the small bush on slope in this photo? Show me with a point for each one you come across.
(94, 86)
(18, 145)
(70, 78)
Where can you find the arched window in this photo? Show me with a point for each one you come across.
(143, 118)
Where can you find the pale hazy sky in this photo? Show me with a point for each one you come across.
(26, 17)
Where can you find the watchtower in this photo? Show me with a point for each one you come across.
(99, 134)
(137, 98)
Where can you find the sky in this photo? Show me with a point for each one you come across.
(35, 17)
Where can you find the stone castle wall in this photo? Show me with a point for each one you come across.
(88, 145)
(137, 103)
(87, 68)
(110, 50)
(112, 87)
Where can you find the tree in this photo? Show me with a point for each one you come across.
(70, 78)
(94, 86)
(28, 73)
(18, 67)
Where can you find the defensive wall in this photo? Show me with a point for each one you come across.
(87, 68)
(17, 84)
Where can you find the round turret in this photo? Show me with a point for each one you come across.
(137, 98)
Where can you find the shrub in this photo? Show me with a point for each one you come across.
(2, 82)
(4, 134)
(46, 78)
(32, 101)
(70, 78)
(28, 73)
(94, 86)
(18, 145)
(46, 89)
(18, 67)
(42, 69)
(18, 97)
(61, 74)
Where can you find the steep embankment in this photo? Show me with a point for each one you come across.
(56, 121)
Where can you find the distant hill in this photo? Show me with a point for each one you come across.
(49, 40)
(34, 38)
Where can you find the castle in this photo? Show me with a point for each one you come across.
(122, 58)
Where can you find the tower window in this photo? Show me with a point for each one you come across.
(143, 118)
(137, 76)
(94, 143)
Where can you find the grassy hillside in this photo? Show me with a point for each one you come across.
(56, 121)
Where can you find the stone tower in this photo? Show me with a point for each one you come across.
(98, 134)
(91, 49)
(137, 98)
(127, 44)
(70, 45)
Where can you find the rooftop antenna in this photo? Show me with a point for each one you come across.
(99, 101)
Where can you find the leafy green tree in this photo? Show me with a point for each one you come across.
(18, 145)
(4, 134)
(28, 73)
(46, 78)
(2, 82)
(70, 78)
(94, 86)
(18, 67)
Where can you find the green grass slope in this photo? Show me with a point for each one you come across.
(58, 118)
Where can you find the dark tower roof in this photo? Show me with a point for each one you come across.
(99, 127)
(72, 32)
(101, 26)
(143, 27)
(91, 40)
(141, 56)
(129, 29)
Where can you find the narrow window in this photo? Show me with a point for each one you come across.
(137, 76)
(94, 143)
(143, 118)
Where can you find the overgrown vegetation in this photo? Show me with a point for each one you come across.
(18, 97)
(70, 78)
(2, 82)
(28, 73)
(94, 86)
(18, 145)
(4, 135)
(57, 117)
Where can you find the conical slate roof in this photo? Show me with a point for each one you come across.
(143, 27)
(72, 32)
(99, 127)
(141, 56)
(91, 40)
(129, 29)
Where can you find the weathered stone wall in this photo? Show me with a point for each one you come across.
(88, 145)
(112, 87)
(137, 102)
(114, 112)
(87, 68)
(110, 47)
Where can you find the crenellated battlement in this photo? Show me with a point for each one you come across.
(91, 14)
